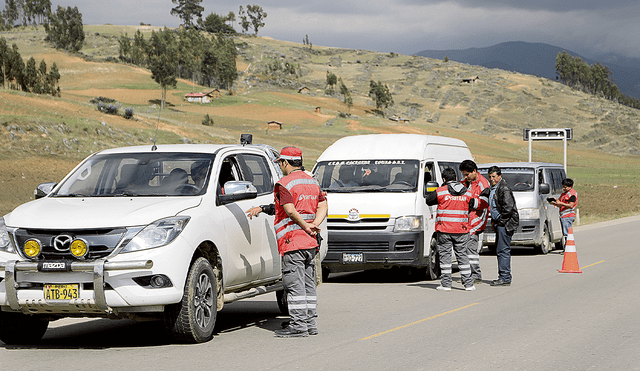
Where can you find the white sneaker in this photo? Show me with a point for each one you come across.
(470, 288)
(443, 288)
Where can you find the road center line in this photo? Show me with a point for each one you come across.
(419, 321)
(591, 265)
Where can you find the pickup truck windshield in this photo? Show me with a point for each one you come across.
(368, 175)
(139, 174)
(518, 179)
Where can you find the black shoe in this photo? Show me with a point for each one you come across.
(290, 333)
(313, 331)
(500, 282)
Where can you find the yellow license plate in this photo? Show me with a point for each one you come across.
(61, 292)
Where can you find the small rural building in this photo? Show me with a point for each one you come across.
(274, 125)
(318, 110)
(214, 94)
(197, 98)
(304, 90)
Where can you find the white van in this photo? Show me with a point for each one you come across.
(375, 188)
(532, 183)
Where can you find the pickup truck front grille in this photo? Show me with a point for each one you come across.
(101, 242)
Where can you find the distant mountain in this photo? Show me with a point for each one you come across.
(540, 60)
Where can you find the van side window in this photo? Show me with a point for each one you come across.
(428, 172)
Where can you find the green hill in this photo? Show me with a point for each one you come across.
(43, 137)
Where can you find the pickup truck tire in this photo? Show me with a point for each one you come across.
(433, 270)
(544, 246)
(193, 319)
(283, 303)
(19, 328)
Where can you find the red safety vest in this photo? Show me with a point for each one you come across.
(565, 211)
(306, 195)
(478, 218)
(453, 211)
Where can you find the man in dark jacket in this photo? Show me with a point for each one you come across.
(505, 219)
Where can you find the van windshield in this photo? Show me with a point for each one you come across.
(518, 179)
(368, 175)
(139, 174)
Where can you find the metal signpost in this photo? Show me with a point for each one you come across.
(549, 134)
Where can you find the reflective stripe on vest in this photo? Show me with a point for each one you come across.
(453, 211)
(568, 212)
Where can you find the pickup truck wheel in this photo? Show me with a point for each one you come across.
(543, 247)
(433, 270)
(19, 328)
(283, 303)
(193, 319)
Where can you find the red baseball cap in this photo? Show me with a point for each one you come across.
(290, 153)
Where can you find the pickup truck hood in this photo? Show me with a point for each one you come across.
(83, 213)
(387, 203)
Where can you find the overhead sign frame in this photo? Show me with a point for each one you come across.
(563, 134)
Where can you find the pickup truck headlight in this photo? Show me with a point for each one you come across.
(158, 233)
(408, 224)
(5, 241)
(529, 213)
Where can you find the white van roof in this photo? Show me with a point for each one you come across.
(534, 165)
(395, 146)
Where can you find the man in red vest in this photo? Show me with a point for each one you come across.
(300, 206)
(475, 183)
(452, 225)
(567, 203)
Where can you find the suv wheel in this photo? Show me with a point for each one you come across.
(193, 319)
(19, 328)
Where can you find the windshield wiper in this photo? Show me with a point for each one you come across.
(73, 195)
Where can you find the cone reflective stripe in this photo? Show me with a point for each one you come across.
(570, 260)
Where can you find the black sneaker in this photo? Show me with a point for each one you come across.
(500, 282)
(290, 333)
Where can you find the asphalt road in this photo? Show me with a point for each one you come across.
(383, 321)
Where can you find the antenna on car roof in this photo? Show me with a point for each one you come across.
(154, 147)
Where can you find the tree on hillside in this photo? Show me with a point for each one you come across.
(187, 10)
(245, 23)
(11, 12)
(332, 80)
(346, 94)
(190, 52)
(380, 94)
(219, 63)
(257, 16)
(18, 69)
(64, 29)
(162, 62)
(231, 18)
(215, 23)
(6, 57)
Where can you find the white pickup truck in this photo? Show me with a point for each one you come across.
(142, 233)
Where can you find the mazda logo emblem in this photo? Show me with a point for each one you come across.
(62, 242)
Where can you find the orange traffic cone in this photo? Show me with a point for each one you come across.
(570, 260)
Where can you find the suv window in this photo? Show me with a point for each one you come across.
(256, 170)
(453, 165)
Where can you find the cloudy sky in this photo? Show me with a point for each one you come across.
(587, 27)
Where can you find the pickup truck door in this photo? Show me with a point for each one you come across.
(244, 236)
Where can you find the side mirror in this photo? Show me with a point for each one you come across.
(430, 187)
(544, 189)
(44, 189)
(237, 190)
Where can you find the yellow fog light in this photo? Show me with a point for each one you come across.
(32, 248)
(79, 248)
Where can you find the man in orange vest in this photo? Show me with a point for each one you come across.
(567, 203)
(452, 225)
(300, 206)
(475, 183)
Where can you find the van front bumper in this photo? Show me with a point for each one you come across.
(527, 234)
(358, 250)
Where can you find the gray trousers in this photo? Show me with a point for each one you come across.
(457, 243)
(473, 252)
(299, 280)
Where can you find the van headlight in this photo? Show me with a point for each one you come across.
(529, 213)
(5, 241)
(408, 224)
(158, 233)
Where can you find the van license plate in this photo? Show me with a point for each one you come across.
(491, 238)
(351, 258)
(61, 292)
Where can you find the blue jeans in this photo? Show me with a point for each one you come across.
(503, 252)
(566, 224)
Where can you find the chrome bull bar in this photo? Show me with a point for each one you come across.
(97, 267)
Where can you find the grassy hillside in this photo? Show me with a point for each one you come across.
(42, 137)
